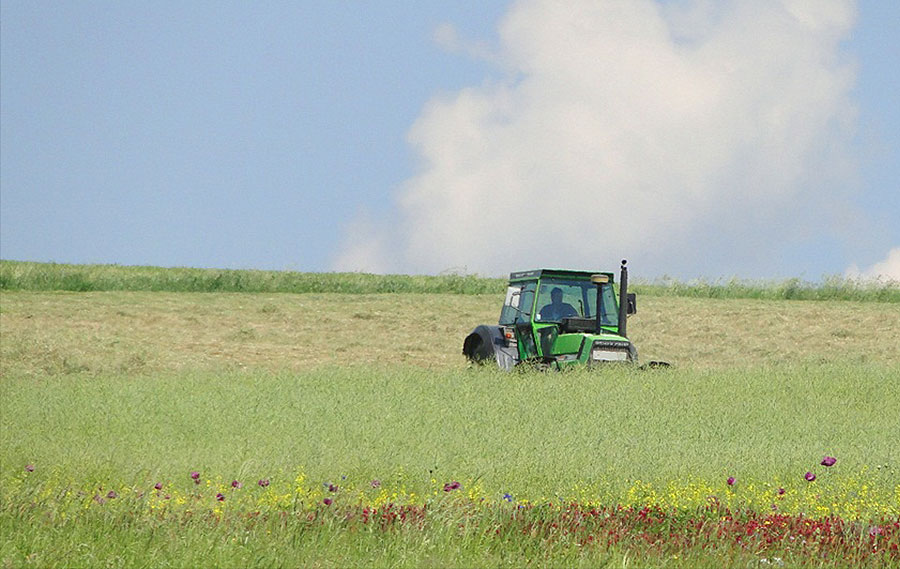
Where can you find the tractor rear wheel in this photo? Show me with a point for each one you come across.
(477, 350)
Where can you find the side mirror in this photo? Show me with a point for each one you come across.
(631, 303)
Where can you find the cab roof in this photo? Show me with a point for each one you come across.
(535, 274)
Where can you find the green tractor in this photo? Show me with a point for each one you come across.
(554, 319)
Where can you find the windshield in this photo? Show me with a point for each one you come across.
(563, 298)
(518, 304)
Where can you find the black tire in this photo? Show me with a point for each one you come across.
(477, 350)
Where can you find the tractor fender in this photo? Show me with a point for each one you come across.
(486, 343)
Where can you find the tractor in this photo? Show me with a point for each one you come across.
(554, 319)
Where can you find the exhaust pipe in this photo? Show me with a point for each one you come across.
(623, 299)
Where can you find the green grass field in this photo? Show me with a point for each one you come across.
(357, 408)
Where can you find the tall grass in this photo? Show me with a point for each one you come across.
(831, 288)
(579, 455)
(18, 275)
(532, 435)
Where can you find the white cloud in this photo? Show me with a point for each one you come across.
(447, 37)
(885, 270)
(364, 247)
(686, 136)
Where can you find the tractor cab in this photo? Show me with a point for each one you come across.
(557, 318)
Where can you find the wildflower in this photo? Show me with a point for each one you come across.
(158, 486)
(263, 482)
(508, 497)
(375, 483)
(809, 476)
(112, 494)
(196, 477)
(332, 488)
(220, 497)
(29, 468)
(781, 491)
(450, 486)
(731, 481)
(327, 501)
(828, 461)
(236, 484)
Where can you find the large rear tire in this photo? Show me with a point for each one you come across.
(477, 350)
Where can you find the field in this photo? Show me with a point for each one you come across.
(152, 428)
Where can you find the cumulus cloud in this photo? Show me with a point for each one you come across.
(691, 136)
(885, 270)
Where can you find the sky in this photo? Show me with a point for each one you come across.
(757, 139)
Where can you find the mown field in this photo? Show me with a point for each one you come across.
(150, 428)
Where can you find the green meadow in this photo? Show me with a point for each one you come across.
(349, 399)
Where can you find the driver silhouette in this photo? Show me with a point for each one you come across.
(557, 309)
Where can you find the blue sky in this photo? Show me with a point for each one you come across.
(422, 137)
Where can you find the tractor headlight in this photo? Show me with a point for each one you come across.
(611, 351)
(609, 355)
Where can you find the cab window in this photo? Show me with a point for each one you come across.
(561, 298)
(518, 304)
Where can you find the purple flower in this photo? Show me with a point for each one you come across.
(263, 482)
(327, 501)
(112, 494)
(809, 476)
(731, 481)
(158, 486)
(450, 486)
(220, 497)
(29, 468)
(375, 483)
(781, 491)
(196, 477)
(332, 488)
(508, 497)
(828, 461)
(236, 484)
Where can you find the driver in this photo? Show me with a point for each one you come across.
(557, 309)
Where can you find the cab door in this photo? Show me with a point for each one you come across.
(518, 310)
